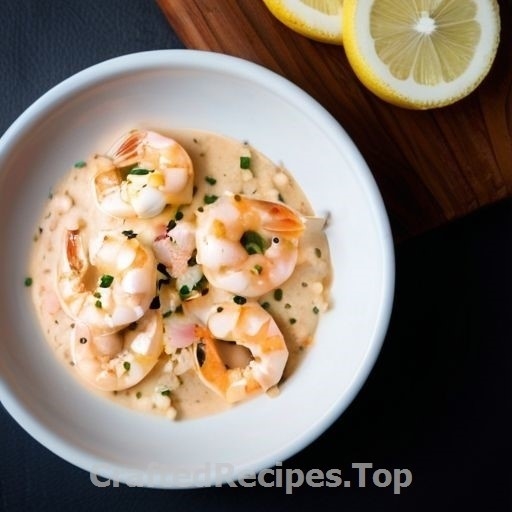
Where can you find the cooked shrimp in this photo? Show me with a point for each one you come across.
(109, 286)
(247, 246)
(117, 361)
(148, 171)
(249, 326)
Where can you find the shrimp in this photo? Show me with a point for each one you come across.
(117, 361)
(249, 326)
(247, 246)
(147, 172)
(109, 286)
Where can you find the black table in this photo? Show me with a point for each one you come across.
(438, 401)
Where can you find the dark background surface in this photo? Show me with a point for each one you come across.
(438, 401)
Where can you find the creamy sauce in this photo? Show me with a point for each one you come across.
(173, 388)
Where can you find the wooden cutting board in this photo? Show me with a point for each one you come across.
(431, 166)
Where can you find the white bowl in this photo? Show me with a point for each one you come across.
(202, 90)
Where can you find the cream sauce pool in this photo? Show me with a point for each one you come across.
(173, 388)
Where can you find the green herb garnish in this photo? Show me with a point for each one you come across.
(138, 171)
(106, 280)
(127, 365)
(209, 199)
(210, 180)
(254, 243)
(245, 162)
(28, 281)
(184, 291)
(80, 164)
(128, 233)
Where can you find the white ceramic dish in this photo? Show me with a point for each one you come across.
(191, 89)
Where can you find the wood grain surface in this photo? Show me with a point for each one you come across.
(431, 166)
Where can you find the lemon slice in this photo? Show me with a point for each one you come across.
(317, 19)
(421, 53)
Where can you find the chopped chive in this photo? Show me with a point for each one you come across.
(257, 269)
(106, 280)
(209, 199)
(184, 291)
(80, 164)
(127, 365)
(278, 294)
(210, 180)
(316, 310)
(171, 225)
(138, 395)
(253, 242)
(128, 233)
(98, 304)
(166, 392)
(238, 299)
(97, 295)
(137, 171)
(265, 305)
(167, 314)
(287, 305)
(245, 162)
(28, 281)
(292, 321)
(220, 309)
(179, 215)
(318, 252)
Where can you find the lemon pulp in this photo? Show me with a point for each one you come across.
(421, 53)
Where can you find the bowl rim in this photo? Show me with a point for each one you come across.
(146, 60)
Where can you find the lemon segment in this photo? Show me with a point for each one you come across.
(421, 53)
(320, 20)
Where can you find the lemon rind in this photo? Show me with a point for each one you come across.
(320, 27)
